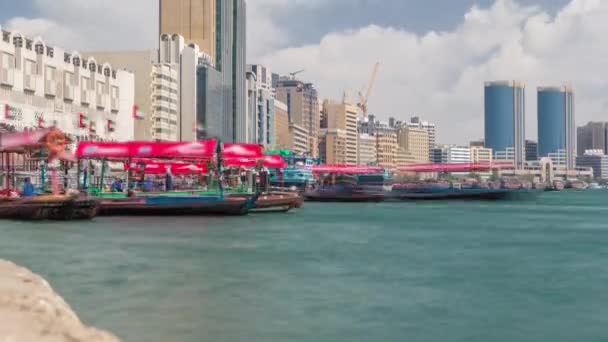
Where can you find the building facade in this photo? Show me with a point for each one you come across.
(451, 154)
(299, 139)
(281, 126)
(556, 123)
(342, 116)
(481, 155)
(166, 91)
(210, 112)
(195, 20)
(415, 142)
(264, 108)
(366, 150)
(333, 146)
(531, 150)
(386, 146)
(218, 27)
(428, 126)
(302, 107)
(596, 160)
(43, 86)
(592, 136)
(504, 125)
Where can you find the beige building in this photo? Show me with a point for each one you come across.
(195, 20)
(481, 154)
(333, 146)
(366, 150)
(386, 145)
(299, 139)
(343, 116)
(281, 126)
(303, 108)
(414, 142)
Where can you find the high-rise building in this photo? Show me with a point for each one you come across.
(531, 150)
(414, 141)
(195, 20)
(302, 108)
(281, 126)
(505, 119)
(264, 106)
(210, 111)
(218, 28)
(592, 136)
(366, 150)
(299, 139)
(343, 116)
(43, 85)
(166, 87)
(556, 124)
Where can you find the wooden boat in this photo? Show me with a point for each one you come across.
(177, 205)
(51, 207)
(275, 202)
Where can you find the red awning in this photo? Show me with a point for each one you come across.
(347, 169)
(144, 149)
(273, 161)
(239, 151)
(153, 167)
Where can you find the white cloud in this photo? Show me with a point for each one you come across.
(440, 75)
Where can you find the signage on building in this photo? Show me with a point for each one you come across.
(13, 113)
(137, 114)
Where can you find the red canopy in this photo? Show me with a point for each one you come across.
(273, 161)
(345, 168)
(239, 151)
(146, 149)
(153, 167)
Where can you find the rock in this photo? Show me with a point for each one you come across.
(30, 310)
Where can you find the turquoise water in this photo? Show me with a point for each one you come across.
(458, 271)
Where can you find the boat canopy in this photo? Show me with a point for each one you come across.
(239, 151)
(147, 149)
(270, 161)
(346, 169)
(176, 168)
(282, 153)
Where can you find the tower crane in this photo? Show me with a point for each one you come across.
(363, 99)
(292, 75)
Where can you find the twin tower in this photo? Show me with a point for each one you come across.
(505, 115)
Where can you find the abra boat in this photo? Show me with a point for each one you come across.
(43, 207)
(347, 184)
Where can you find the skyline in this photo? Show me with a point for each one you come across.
(448, 68)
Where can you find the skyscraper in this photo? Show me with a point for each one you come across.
(505, 112)
(342, 116)
(556, 126)
(195, 20)
(218, 27)
(592, 136)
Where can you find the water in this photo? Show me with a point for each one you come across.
(458, 271)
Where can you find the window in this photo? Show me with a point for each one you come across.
(50, 73)
(8, 61)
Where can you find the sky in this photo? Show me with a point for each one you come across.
(435, 55)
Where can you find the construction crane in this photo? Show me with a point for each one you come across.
(363, 99)
(292, 75)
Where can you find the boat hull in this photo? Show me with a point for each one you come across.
(175, 206)
(48, 208)
(316, 196)
(467, 194)
(276, 202)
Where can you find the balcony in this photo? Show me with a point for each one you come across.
(50, 88)
(7, 77)
(68, 92)
(29, 82)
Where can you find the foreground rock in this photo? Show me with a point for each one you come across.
(31, 311)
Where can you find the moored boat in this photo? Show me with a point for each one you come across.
(275, 202)
(48, 207)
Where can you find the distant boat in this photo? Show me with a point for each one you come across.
(595, 186)
(576, 184)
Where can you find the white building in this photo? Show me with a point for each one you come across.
(166, 93)
(481, 154)
(42, 86)
(428, 126)
(451, 154)
(263, 126)
(366, 150)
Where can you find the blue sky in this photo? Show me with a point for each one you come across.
(435, 54)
